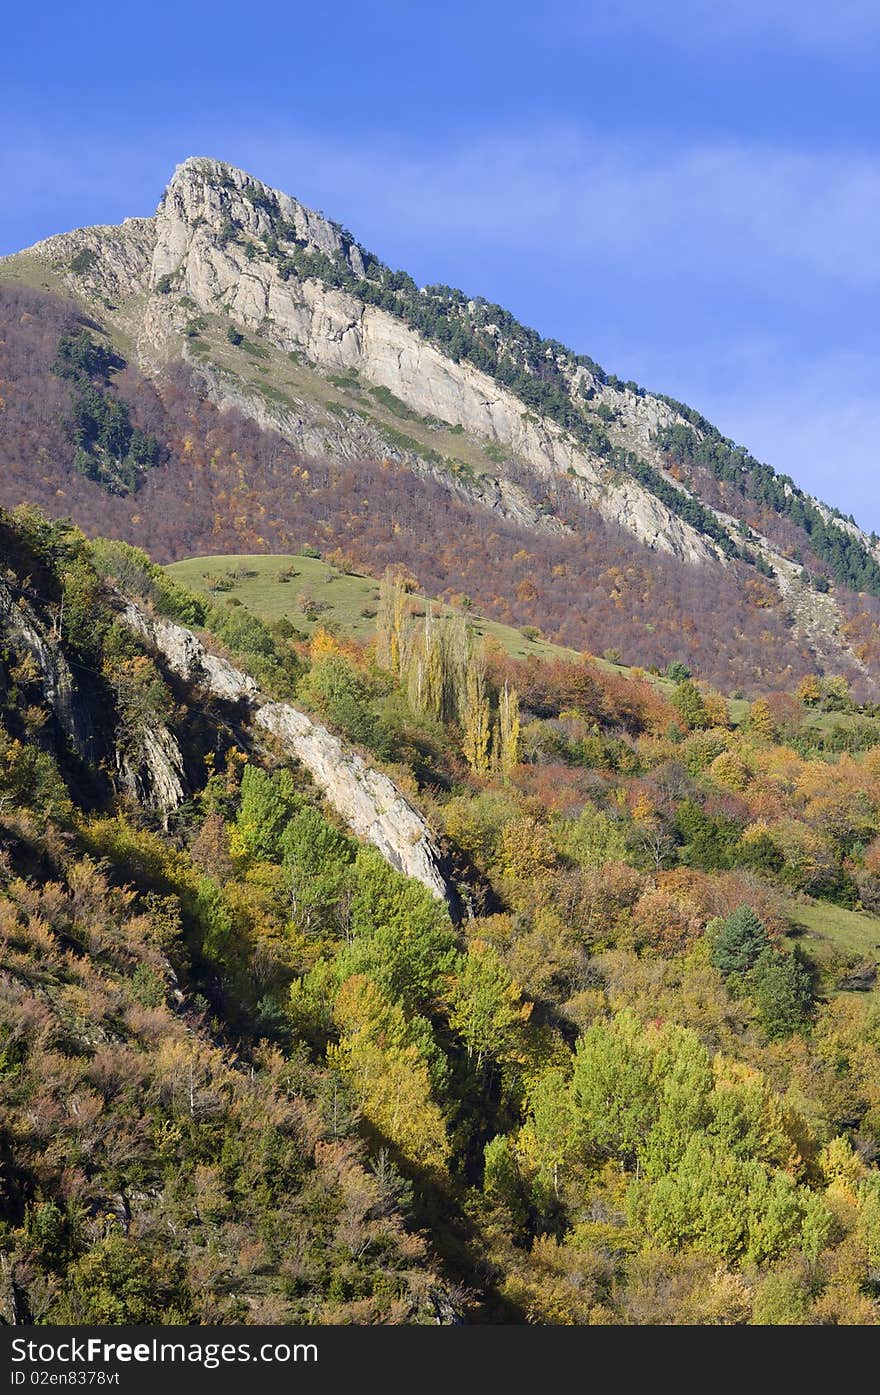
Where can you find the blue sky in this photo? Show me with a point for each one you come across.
(690, 196)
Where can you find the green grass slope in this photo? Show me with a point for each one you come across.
(280, 585)
(835, 938)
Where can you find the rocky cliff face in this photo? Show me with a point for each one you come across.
(206, 250)
(369, 802)
(194, 254)
(153, 773)
(25, 636)
(151, 769)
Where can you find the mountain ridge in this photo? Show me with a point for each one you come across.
(227, 248)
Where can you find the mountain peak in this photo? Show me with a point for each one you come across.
(217, 203)
(204, 169)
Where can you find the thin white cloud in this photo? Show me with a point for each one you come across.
(818, 422)
(847, 24)
(815, 416)
(728, 213)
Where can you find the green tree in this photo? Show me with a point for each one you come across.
(120, 1281)
(377, 1054)
(739, 942)
(342, 695)
(503, 1182)
(709, 841)
(783, 990)
(485, 1005)
(550, 1138)
(268, 802)
(222, 946)
(317, 858)
(688, 703)
(684, 1082)
(613, 1087)
(401, 935)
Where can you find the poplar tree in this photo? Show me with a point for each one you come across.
(508, 730)
(475, 719)
(390, 622)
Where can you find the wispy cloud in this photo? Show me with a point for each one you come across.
(660, 250)
(814, 416)
(757, 213)
(808, 23)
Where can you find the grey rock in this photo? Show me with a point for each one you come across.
(367, 800)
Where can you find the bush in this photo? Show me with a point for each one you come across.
(341, 694)
(83, 261)
(677, 671)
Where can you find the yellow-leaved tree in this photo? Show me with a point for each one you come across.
(486, 1007)
(507, 739)
(389, 1075)
(391, 621)
(475, 717)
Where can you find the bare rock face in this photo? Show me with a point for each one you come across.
(186, 656)
(206, 247)
(211, 248)
(153, 773)
(369, 802)
(316, 433)
(110, 264)
(195, 256)
(24, 633)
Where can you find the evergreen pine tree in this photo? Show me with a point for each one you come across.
(740, 942)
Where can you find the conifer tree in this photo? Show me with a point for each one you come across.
(688, 701)
(740, 942)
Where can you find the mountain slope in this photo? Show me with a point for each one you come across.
(281, 314)
(250, 1073)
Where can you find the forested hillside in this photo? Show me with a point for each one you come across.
(250, 1072)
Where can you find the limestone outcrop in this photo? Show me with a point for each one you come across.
(25, 635)
(367, 800)
(213, 249)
